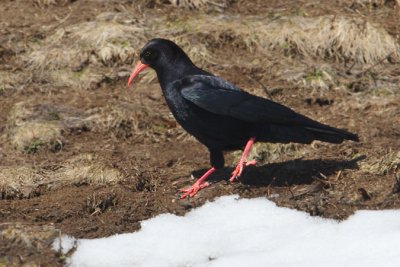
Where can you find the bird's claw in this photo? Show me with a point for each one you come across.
(239, 169)
(192, 191)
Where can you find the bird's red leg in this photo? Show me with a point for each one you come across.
(199, 184)
(242, 162)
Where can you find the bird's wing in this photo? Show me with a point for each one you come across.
(218, 96)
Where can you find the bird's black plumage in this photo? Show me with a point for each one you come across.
(222, 116)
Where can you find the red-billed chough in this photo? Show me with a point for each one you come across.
(222, 116)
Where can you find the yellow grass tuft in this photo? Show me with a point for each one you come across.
(20, 113)
(111, 117)
(21, 181)
(334, 37)
(104, 39)
(111, 53)
(31, 136)
(201, 4)
(90, 78)
(31, 127)
(389, 163)
(45, 3)
(18, 181)
(53, 58)
(78, 55)
(87, 169)
(270, 152)
(8, 81)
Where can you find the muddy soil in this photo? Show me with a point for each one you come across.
(155, 157)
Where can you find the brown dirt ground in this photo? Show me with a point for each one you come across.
(156, 157)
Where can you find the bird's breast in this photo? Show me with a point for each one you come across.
(178, 105)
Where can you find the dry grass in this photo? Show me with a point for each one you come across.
(18, 181)
(28, 235)
(45, 3)
(332, 37)
(269, 152)
(31, 127)
(339, 38)
(89, 78)
(32, 136)
(86, 54)
(21, 181)
(318, 79)
(53, 58)
(389, 163)
(78, 55)
(209, 5)
(28, 244)
(370, 4)
(202, 4)
(111, 117)
(20, 113)
(8, 81)
(87, 169)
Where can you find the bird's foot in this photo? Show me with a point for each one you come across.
(199, 184)
(192, 191)
(239, 169)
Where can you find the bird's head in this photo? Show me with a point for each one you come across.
(161, 55)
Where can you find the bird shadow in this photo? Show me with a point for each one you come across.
(292, 172)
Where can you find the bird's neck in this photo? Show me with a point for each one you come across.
(168, 74)
(175, 69)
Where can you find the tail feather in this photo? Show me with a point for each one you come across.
(305, 134)
(332, 135)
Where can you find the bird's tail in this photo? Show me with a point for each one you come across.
(330, 134)
(305, 134)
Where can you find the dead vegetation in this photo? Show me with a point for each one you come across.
(204, 5)
(8, 81)
(87, 169)
(269, 152)
(87, 54)
(33, 243)
(101, 202)
(84, 169)
(32, 127)
(371, 4)
(218, 5)
(327, 37)
(387, 164)
(46, 3)
(18, 181)
(115, 116)
(32, 136)
(80, 56)
(344, 39)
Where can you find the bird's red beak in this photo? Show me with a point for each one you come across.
(136, 70)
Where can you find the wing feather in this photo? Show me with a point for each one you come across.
(220, 97)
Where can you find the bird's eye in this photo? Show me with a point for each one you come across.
(149, 55)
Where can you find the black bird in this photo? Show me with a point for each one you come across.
(222, 116)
